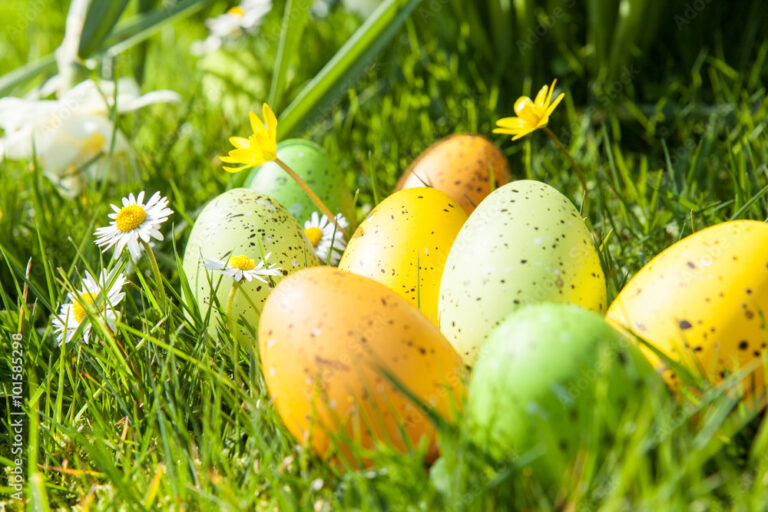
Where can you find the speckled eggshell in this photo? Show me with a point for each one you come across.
(553, 379)
(310, 162)
(525, 243)
(703, 301)
(460, 166)
(404, 242)
(233, 222)
(326, 340)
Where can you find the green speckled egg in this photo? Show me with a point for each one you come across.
(232, 223)
(525, 243)
(310, 162)
(555, 379)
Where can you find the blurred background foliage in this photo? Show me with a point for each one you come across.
(674, 87)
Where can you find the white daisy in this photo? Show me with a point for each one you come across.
(323, 235)
(70, 133)
(103, 295)
(132, 223)
(244, 18)
(241, 267)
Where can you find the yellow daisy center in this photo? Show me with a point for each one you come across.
(130, 217)
(314, 234)
(77, 306)
(242, 262)
(237, 11)
(93, 144)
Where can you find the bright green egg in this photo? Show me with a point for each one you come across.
(554, 380)
(310, 162)
(234, 224)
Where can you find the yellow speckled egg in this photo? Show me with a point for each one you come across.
(328, 339)
(702, 301)
(460, 166)
(404, 242)
(525, 243)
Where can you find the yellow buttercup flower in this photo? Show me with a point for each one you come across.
(259, 148)
(531, 114)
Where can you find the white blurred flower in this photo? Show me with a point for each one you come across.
(364, 8)
(104, 296)
(244, 18)
(71, 132)
(321, 8)
(240, 267)
(324, 236)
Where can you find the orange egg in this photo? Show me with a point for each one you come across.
(333, 344)
(459, 165)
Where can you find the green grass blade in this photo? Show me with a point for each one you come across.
(294, 20)
(100, 19)
(143, 26)
(350, 61)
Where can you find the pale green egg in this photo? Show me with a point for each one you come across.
(525, 243)
(234, 224)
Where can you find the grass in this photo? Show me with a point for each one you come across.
(152, 417)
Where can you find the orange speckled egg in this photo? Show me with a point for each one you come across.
(328, 339)
(404, 242)
(459, 165)
(703, 301)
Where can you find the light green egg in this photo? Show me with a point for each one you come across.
(554, 380)
(525, 243)
(310, 162)
(234, 224)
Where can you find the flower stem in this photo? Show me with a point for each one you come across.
(231, 328)
(575, 166)
(156, 271)
(318, 202)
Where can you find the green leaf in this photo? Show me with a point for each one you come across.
(125, 36)
(294, 20)
(99, 22)
(22, 75)
(143, 26)
(319, 95)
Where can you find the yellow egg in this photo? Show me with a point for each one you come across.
(328, 340)
(404, 242)
(702, 301)
(461, 166)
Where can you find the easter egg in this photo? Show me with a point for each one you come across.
(233, 225)
(702, 302)
(553, 379)
(337, 350)
(310, 162)
(404, 242)
(461, 166)
(524, 243)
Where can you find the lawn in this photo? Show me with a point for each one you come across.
(665, 112)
